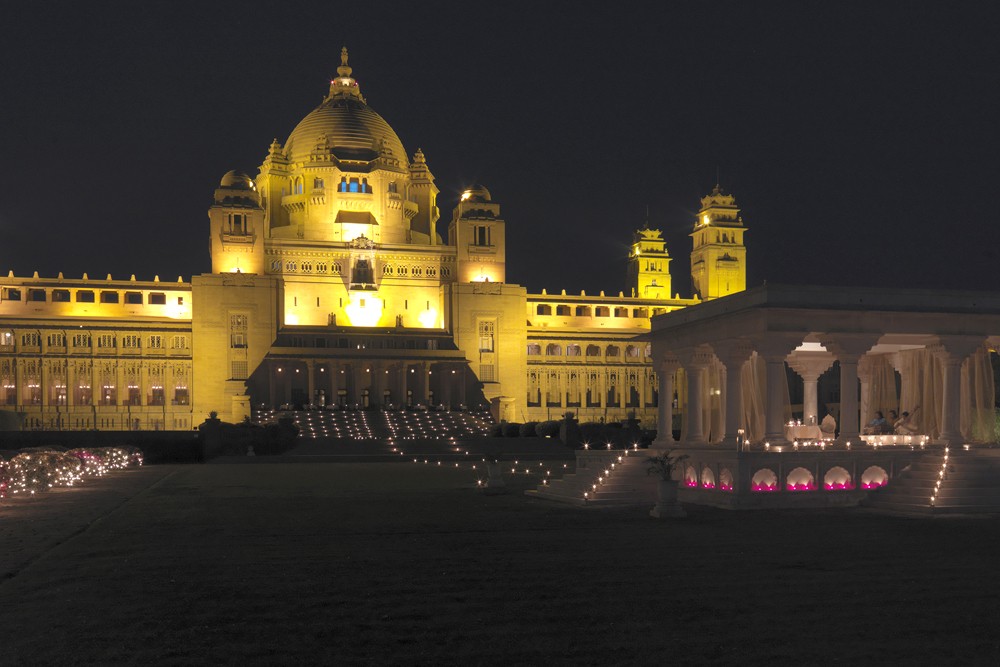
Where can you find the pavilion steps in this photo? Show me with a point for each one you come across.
(628, 485)
(971, 485)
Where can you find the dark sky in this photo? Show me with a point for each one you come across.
(859, 138)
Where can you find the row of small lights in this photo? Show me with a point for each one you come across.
(29, 473)
(419, 425)
(941, 474)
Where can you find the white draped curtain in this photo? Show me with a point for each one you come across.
(882, 396)
(753, 381)
(978, 422)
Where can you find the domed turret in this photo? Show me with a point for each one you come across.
(476, 193)
(236, 180)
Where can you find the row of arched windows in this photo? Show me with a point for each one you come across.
(563, 310)
(574, 350)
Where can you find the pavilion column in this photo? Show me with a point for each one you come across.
(732, 354)
(695, 361)
(810, 366)
(864, 378)
(849, 348)
(953, 351)
(665, 404)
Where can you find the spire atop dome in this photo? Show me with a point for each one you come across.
(344, 70)
(344, 85)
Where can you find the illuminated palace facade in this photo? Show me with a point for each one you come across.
(331, 285)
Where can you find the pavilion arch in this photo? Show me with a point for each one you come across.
(543, 309)
(873, 477)
(553, 350)
(800, 479)
(602, 311)
(764, 480)
(690, 476)
(725, 480)
(621, 311)
(837, 479)
(583, 311)
(562, 310)
(707, 478)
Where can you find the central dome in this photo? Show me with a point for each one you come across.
(346, 125)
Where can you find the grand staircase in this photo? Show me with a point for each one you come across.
(943, 482)
(613, 478)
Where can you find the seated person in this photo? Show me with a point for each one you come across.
(906, 425)
(876, 426)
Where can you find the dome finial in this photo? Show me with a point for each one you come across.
(344, 69)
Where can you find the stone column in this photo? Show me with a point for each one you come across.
(810, 365)
(953, 351)
(864, 378)
(733, 354)
(70, 383)
(310, 381)
(849, 348)
(43, 381)
(665, 404)
(695, 361)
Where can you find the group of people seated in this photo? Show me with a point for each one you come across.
(895, 425)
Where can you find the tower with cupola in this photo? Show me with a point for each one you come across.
(477, 232)
(236, 224)
(718, 255)
(649, 265)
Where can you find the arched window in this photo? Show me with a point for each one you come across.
(534, 349)
(640, 312)
(573, 350)
(317, 184)
(593, 351)
(387, 270)
(602, 311)
(612, 351)
(342, 187)
(553, 350)
(621, 311)
(583, 311)
(562, 311)
(353, 185)
(631, 352)
(364, 186)
(298, 185)
(543, 309)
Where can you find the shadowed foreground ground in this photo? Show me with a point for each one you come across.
(402, 563)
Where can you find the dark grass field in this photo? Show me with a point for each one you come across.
(407, 564)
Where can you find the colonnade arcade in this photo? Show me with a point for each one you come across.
(363, 383)
(745, 341)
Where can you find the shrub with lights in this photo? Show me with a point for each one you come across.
(34, 471)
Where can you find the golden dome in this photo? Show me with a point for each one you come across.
(346, 125)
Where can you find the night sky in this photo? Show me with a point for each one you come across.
(860, 139)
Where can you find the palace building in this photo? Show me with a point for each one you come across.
(334, 282)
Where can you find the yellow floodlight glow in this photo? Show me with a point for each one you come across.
(428, 318)
(365, 309)
(291, 319)
(705, 219)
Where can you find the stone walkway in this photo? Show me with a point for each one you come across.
(402, 563)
